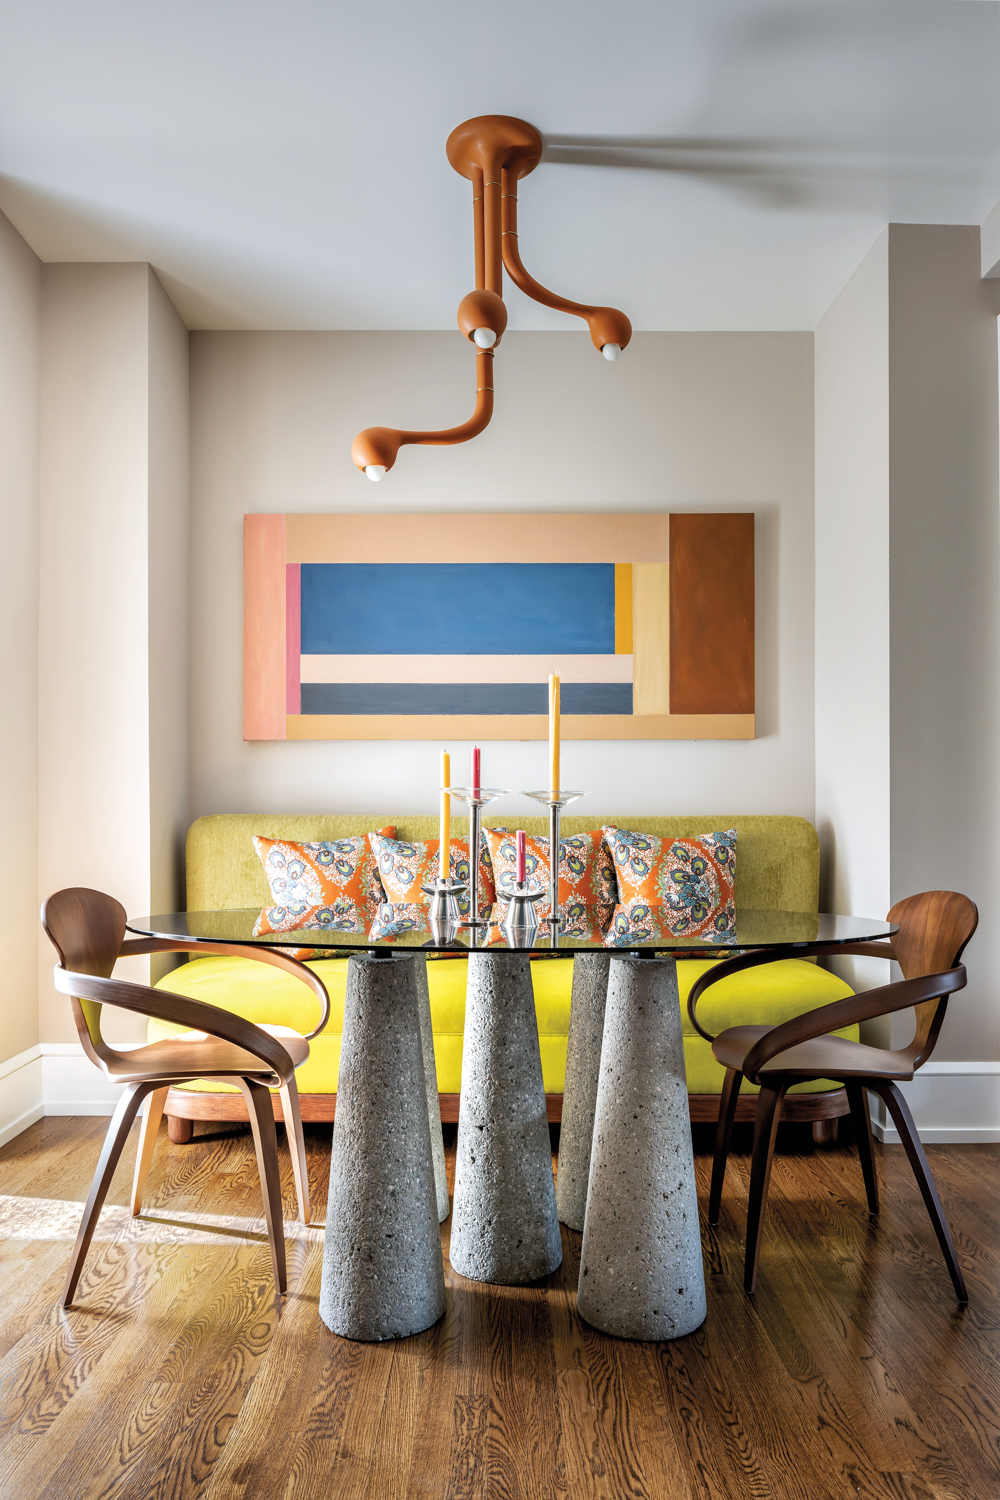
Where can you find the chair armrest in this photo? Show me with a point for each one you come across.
(181, 1011)
(773, 955)
(848, 1012)
(136, 946)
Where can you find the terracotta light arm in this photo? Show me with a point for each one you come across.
(608, 326)
(378, 446)
(492, 151)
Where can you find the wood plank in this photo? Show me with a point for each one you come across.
(189, 1104)
(851, 1373)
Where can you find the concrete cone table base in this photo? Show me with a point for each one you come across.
(383, 1275)
(641, 1271)
(430, 1080)
(504, 1226)
(583, 1066)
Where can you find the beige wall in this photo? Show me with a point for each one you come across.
(20, 341)
(908, 597)
(701, 421)
(113, 608)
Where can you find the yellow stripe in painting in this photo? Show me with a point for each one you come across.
(623, 609)
(651, 658)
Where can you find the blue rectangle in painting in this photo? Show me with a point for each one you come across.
(478, 609)
(463, 698)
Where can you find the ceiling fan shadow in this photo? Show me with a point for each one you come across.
(774, 173)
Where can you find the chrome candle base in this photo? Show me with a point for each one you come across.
(444, 907)
(520, 925)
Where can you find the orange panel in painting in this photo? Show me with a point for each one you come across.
(263, 627)
(711, 614)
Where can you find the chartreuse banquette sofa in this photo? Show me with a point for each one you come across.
(777, 869)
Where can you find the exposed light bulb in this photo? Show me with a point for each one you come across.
(485, 338)
(375, 472)
(611, 351)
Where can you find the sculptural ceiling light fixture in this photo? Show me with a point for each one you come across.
(493, 151)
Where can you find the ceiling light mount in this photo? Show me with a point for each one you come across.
(494, 152)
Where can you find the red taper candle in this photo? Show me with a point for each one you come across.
(521, 853)
(476, 754)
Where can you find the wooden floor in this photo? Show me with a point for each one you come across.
(851, 1373)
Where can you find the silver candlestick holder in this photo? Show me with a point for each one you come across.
(555, 801)
(477, 798)
(444, 908)
(520, 925)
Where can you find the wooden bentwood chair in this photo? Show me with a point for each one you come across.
(934, 929)
(87, 929)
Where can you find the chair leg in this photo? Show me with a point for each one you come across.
(900, 1111)
(764, 1132)
(297, 1147)
(147, 1140)
(723, 1136)
(121, 1123)
(266, 1144)
(857, 1098)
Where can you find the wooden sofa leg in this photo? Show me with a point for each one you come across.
(824, 1132)
(179, 1130)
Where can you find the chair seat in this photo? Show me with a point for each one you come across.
(196, 1054)
(828, 1056)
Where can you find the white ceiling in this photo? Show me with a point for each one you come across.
(281, 162)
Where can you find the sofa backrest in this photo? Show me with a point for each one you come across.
(777, 858)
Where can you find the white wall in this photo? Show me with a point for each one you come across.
(20, 342)
(699, 421)
(908, 622)
(852, 602)
(112, 598)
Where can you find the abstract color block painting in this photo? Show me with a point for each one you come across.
(416, 627)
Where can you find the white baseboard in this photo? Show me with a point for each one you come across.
(957, 1102)
(21, 1100)
(951, 1102)
(71, 1083)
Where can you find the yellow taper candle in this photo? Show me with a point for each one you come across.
(554, 733)
(445, 815)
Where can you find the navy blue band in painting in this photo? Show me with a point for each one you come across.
(477, 609)
(463, 698)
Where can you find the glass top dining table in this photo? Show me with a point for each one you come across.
(580, 931)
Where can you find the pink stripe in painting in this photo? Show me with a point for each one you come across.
(264, 627)
(293, 631)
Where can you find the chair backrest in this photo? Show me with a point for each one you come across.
(934, 929)
(86, 928)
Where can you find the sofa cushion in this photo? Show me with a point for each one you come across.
(322, 872)
(687, 883)
(405, 866)
(770, 994)
(586, 875)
